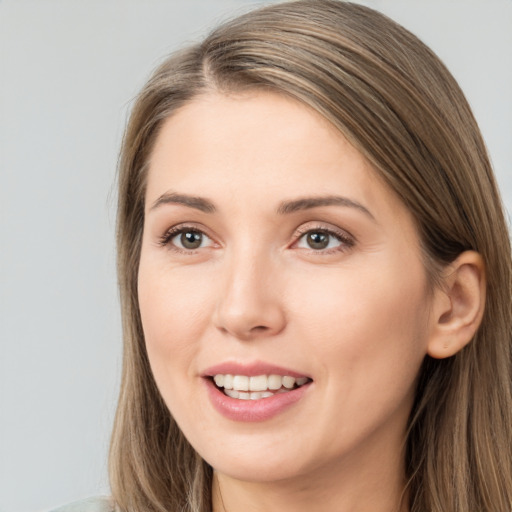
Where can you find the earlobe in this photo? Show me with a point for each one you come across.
(458, 306)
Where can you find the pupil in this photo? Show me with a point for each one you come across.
(318, 240)
(191, 239)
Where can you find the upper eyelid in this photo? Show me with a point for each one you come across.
(183, 226)
(175, 230)
(328, 228)
(346, 240)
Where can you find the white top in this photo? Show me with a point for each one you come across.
(96, 504)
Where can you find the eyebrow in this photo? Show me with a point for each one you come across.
(307, 203)
(286, 207)
(198, 203)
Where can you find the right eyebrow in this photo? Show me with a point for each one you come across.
(198, 203)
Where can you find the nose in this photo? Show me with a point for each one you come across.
(250, 304)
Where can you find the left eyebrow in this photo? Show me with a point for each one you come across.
(306, 203)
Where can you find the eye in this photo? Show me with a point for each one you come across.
(324, 240)
(186, 239)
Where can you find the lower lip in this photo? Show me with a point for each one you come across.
(253, 410)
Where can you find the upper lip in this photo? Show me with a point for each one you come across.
(250, 369)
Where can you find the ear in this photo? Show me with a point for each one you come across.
(458, 306)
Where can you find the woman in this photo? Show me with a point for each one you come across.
(315, 277)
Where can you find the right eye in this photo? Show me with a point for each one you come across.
(186, 239)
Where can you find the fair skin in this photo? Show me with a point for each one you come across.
(334, 292)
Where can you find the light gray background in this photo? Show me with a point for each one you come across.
(68, 73)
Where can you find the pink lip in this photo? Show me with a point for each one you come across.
(251, 410)
(250, 369)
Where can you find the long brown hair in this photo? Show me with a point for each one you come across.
(394, 100)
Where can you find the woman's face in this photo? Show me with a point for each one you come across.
(272, 250)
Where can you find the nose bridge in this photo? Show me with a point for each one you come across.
(249, 302)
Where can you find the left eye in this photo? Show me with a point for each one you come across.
(319, 240)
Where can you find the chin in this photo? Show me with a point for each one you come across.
(260, 470)
(263, 460)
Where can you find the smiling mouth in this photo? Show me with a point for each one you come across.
(243, 387)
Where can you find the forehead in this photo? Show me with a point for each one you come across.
(261, 145)
(254, 120)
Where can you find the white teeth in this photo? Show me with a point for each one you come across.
(258, 383)
(241, 383)
(275, 381)
(232, 393)
(228, 381)
(257, 395)
(288, 382)
(256, 387)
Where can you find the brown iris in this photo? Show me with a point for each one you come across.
(191, 239)
(317, 240)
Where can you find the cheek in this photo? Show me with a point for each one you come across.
(367, 323)
(174, 315)
(365, 334)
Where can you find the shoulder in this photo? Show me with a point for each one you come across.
(97, 504)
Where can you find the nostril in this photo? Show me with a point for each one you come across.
(247, 320)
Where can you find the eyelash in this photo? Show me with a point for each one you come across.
(346, 241)
(165, 240)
